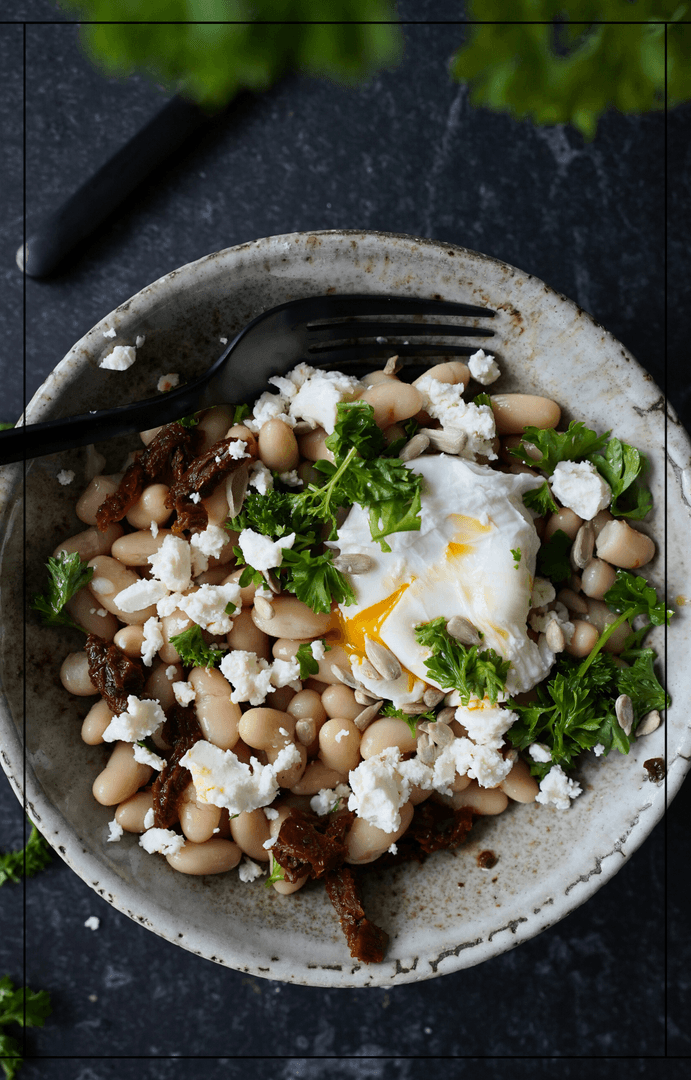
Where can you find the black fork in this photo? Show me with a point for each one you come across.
(331, 332)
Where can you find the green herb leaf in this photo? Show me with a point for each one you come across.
(26, 862)
(10, 1055)
(624, 467)
(315, 580)
(188, 421)
(277, 873)
(67, 575)
(305, 658)
(641, 684)
(241, 412)
(194, 652)
(230, 608)
(516, 553)
(456, 667)
(482, 399)
(22, 1006)
(356, 428)
(540, 500)
(5, 427)
(412, 721)
(574, 444)
(553, 557)
(632, 594)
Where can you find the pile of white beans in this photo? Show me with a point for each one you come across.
(316, 717)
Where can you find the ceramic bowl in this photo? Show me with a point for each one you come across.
(549, 861)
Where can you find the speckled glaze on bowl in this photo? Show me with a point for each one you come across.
(549, 861)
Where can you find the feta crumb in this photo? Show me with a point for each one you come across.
(102, 612)
(154, 529)
(139, 720)
(262, 552)
(393, 849)
(543, 593)
(149, 818)
(268, 407)
(261, 478)
(486, 725)
(379, 789)
(172, 563)
(167, 606)
(207, 606)
(444, 402)
(184, 692)
(161, 841)
(557, 788)
(220, 778)
(110, 332)
(237, 449)
(65, 476)
(328, 798)
(223, 340)
(579, 486)
(120, 358)
(286, 673)
(171, 672)
(115, 831)
(142, 594)
(268, 844)
(92, 923)
(195, 497)
(211, 541)
(269, 813)
(320, 394)
(342, 734)
(152, 640)
(483, 368)
(598, 749)
(249, 870)
(290, 479)
(540, 752)
(318, 649)
(144, 756)
(168, 382)
(139, 340)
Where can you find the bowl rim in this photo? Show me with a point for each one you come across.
(58, 830)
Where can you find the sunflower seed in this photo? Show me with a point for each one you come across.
(363, 719)
(272, 581)
(511, 755)
(236, 489)
(445, 716)
(623, 707)
(306, 731)
(439, 734)
(263, 608)
(354, 564)
(583, 546)
(368, 671)
(392, 366)
(650, 723)
(446, 442)
(412, 449)
(383, 659)
(344, 676)
(463, 630)
(363, 697)
(432, 697)
(413, 708)
(554, 636)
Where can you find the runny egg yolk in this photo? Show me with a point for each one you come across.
(351, 633)
(467, 530)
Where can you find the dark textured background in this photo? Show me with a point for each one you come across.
(404, 153)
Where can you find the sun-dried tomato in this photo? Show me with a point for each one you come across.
(114, 673)
(367, 941)
(181, 731)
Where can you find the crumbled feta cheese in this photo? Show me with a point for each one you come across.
(286, 673)
(120, 358)
(342, 734)
(195, 497)
(144, 756)
(318, 649)
(139, 340)
(211, 541)
(444, 402)
(167, 382)
(481, 763)
(65, 476)
(161, 841)
(207, 606)
(598, 749)
(220, 778)
(139, 720)
(154, 529)
(286, 757)
(237, 449)
(557, 788)
(268, 844)
(149, 818)
(320, 394)
(110, 332)
(543, 593)
(171, 672)
(141, 594)
(268, 407)
(327, 798)
(248, 674)
(486, 725)
(223, 340)
(578, 485)
(393, 849)
(379, 789)
(290, 479)
(184, 692)
(262, 552)
(261, 478)
(172, 563)
(115, 831)
(540, 752)
(249, 870)
(92, 923)
(168, 605)
(152, 640)
(483, 368)
(269, 813)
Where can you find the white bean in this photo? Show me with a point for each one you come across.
(623, 546)
(278, 447)
(366, 842)
(212, 857)
(514, 412)
(250, 831)
(121, 777)
(74, 675)
(150, 506)
(293, 619)
(84, 610)
(95, 723)
(130, 814)
(393, 401)
(387, 731)
(339, 744)
(91, 542)
(92, 497)
(133, 549)
(218, 716)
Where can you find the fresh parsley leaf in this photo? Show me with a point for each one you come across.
(230, 608)
(540, 500)
(188, 421)
(412, 721)
(277, 873)
(624, 467)
(28, 861)
(482, 399)
(305, 658)
(516, 553)
(574, 444)
(553, 557)
(457, 667)
(411, 427)
(315, 580)
(5, 427)
(194, 652)
(641, 684)
(356, 428)
(249, 576)
(241, 412)
(28, 1008)
(67, 575)
(632, 595)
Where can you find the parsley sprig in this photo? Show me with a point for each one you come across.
(305, 658)
(630, 596)
(412, 721)
(14, 865)
(194, 652)
(67, 575)
(459, 667)
(19, 1005)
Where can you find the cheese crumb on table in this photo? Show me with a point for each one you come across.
(168, 382)
(92, 923)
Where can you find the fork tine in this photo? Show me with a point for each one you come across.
(345, 331)
(344, 306)
(332, 356)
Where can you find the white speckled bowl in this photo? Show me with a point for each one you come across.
(549, 861)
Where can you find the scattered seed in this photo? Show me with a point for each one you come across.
(263, 608)
(383, 659)
(306, 731)
(445, 716)
(511, 755)
(272, 581)
(555, 636)
(368, 671)
(650, 723)
(346, 677)
(439, 734)
(446, 442)
(364, 698)
(416, 446)
(236, 489)
(583, 546)
(363, 719)
(432, 697)
(623, 708)
(463, 630)
(392, 366)
(354, 564)
(413, 708)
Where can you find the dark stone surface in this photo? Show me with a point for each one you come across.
(408, 154)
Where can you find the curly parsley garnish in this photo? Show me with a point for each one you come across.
(22, 1006)
(412, 721)
(553, 557)
(194, 652)
(540, 500)
(277, 873)
(516, 555)
(305, 658)
(459, 667)
(67, 575)
(14, 865)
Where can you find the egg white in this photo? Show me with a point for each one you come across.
(459, 563)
